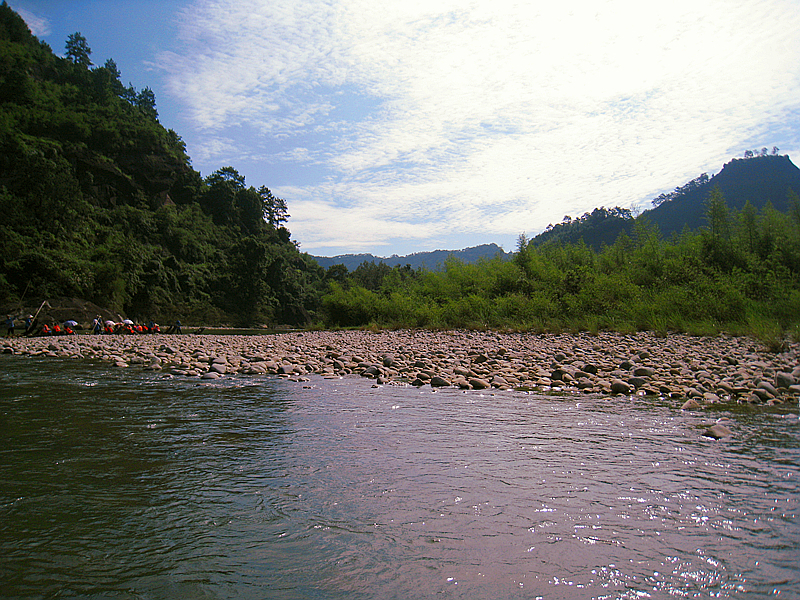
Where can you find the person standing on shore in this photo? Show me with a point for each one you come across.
(9, 326)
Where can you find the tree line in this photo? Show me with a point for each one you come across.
(740, 273)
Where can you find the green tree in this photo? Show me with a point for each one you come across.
(717, 215)
(794, 207)
(748, 218)
(219, 199)
(78, 51)
(275, 211)
(146, 101)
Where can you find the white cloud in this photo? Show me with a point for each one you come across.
(489, 116)
(39, 26)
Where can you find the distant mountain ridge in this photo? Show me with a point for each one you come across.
(759, 179)
(432, 261)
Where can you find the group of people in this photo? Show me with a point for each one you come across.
(31, 327)
(57, 329)
(11, 324)
(127, 326)
(98, 327)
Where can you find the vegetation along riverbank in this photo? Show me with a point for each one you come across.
(694, 372)
(106, 207)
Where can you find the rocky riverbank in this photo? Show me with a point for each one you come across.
(693, 371)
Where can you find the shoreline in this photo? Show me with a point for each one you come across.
(692, 371)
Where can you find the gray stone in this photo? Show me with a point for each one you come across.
(637, 382)
(371, 371)
(437, 381)
(499, 382)
(761, 394)
(766, 385)
(717, 431)
(479, 384)
(643, 372)
(620, 387)
(784, 380)
(752, 399)
(690, 404)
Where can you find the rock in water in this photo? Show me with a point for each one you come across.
(717, 431)
(690, 404)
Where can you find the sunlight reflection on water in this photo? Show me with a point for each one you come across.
(119, 483)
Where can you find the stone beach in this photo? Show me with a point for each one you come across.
(692, 371)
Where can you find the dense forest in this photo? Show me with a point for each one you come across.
(103, 204)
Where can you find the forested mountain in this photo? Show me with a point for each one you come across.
(102, 203)
(433, 260)
(760, 179)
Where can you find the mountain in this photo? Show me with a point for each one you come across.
(429, 260)
(103, 204)
(760, 179)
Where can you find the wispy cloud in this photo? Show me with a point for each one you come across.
(487, 117)
(39, 26)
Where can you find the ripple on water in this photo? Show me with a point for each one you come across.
(118, 483)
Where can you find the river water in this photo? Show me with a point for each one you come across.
(115, 483)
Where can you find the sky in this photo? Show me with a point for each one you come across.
(416, 125)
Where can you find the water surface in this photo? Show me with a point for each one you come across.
(116, 483)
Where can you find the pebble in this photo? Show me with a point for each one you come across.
(702, 370)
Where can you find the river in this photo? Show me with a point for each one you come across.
(119, 483)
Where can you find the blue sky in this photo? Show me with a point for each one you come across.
(399, 127)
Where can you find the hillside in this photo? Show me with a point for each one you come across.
(103, 205)
(759, 180)
(425, 260)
